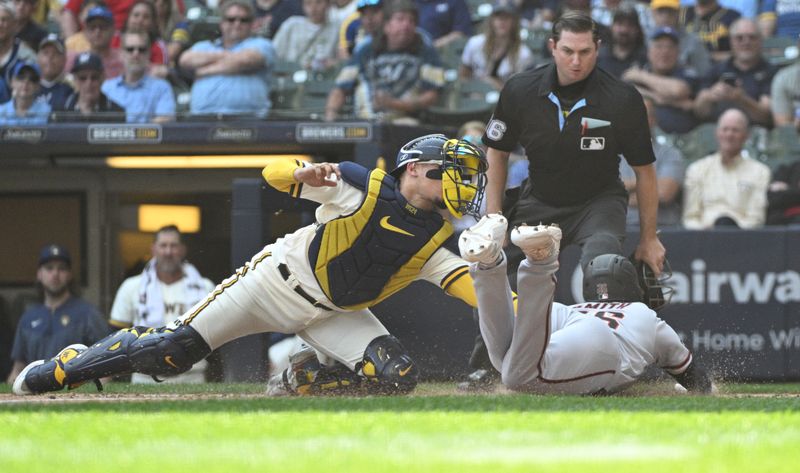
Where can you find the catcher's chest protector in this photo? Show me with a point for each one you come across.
(361, 258)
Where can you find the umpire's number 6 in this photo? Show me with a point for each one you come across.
(496, 129)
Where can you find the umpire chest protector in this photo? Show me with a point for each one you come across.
(364, 257)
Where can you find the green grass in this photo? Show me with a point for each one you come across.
(431, 431)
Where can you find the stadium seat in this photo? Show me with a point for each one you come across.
(462, 101)
(784, 144)
(698, 143)
(780, 50)
(450, 54)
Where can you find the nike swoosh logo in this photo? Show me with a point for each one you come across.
(405, 371)
(168, 360)
(385, 224)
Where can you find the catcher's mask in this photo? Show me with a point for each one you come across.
(614, 278)
(657, 293)
(462, 170)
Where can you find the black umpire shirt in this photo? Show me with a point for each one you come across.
(574, 153)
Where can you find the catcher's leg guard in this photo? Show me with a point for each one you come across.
(387, 367)
(307, 376)
(156, 352)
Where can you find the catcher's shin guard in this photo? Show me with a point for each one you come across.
(156, 352)
(387, 367)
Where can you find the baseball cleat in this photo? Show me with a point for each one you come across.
(44, 376)
(538, 242)
(483, 242)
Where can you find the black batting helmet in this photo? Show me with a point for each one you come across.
(611, 278)
(615, 278)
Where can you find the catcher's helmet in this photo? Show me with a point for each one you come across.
(462, 170)
(610, 278)
(616, 278)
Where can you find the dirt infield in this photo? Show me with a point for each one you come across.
(641, 390)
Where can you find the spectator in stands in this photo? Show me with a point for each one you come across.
(309, 40)
(12, 49)
(743, 81)
(670, 86)
(339, 10)
(231, 73)
(626, 48)
(26, 106)
(693, 56)
(445, 21)
(783, 195)
(785, 96)
(173, 28)
(88, 102)
(30, 32)
(145, 98)
(52, 58)
(779, 18)
(100, 33)
(603, 12)
(669, 171)
(394, 76)
(61, 319)
(142, 18)
(498, 53)
(167, 287)
(712, 23)
(69, 14)
(726, 189)
(364, 24)
(77, 42)
(269, 15)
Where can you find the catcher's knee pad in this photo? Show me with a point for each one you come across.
(387, 367)
(166, 352)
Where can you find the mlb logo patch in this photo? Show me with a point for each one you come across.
(593, 143)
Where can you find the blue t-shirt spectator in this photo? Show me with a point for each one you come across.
(242, 93)
(38, 114)
(150, 97)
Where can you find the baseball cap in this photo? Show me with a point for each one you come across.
(503, 7)
(666, 31)
(54, 252)
(362, 4)
(22, 65)
(53, 39)
(100, 12)
(656, 4)
(87, 61)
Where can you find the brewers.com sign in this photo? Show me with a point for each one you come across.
(140, 134)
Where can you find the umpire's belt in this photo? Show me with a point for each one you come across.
(292, 280)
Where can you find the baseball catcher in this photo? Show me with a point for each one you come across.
(375, 233)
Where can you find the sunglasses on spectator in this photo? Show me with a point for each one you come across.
(240, 19)
(135, 49)
(742, 37)
(87, 77)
